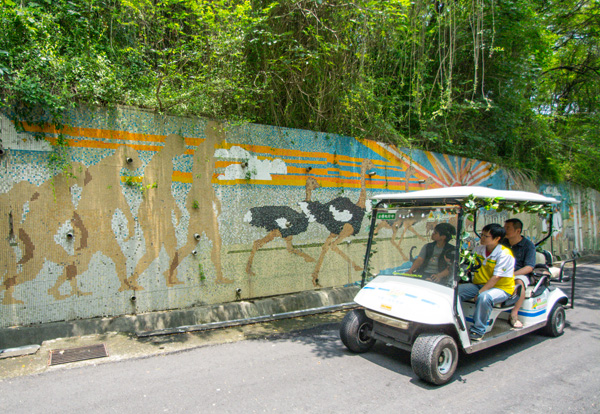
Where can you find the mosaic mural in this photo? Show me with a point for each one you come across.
(160, 212)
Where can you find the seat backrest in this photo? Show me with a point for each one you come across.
(540, 258)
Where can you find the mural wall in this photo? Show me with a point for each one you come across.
(159, 212)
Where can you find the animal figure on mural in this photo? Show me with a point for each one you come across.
(395, 225)
(280, 221)
(414, 217)
(156, 210)
(47, 233)
(101, 197)
(429, 181)
(410, 171)
(203, 205)
(341, 217)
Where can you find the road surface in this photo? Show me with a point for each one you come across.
(310, 371)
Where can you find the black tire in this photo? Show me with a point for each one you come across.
(355, 331)
(434, 358)
(556, 321)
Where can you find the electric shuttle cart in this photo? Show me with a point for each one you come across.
(426, 317)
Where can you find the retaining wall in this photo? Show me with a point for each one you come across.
(159, 212)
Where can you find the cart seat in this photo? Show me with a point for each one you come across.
(510, 302)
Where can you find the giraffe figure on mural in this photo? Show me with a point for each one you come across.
(156, 210)
(280, 221)
(429, 181)
(203, 204)
(410, 171)
(341, 217)
(101, 197)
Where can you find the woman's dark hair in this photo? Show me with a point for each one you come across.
(445, 229)
(495, 230)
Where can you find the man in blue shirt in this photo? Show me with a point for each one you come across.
(524, 253)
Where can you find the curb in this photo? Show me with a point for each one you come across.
(167, 322)
(248, 321)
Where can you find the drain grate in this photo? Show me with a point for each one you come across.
(64, 356)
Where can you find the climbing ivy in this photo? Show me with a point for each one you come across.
(59, 158)
(135, 182)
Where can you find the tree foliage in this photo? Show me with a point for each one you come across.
(513, 82)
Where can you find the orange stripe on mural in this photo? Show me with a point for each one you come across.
(82, 143)
(392, 158)
(96, 133)
(182, 177)
(310, 162)
(302, 170)
(300, 181)
(194, 141)
(306, 157)
(277, 152)
(440, 171)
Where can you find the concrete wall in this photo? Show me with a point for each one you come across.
(160, 212)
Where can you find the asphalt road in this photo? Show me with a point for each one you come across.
(310, 371)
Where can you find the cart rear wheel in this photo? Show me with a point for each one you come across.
(434, 358)
(355, 331)
(556, 321)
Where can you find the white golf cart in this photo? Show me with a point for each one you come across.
(416, 313)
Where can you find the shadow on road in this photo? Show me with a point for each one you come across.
(587, 281)
(325, 341)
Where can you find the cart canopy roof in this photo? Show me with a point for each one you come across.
(454, 195)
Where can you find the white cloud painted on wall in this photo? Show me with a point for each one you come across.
(258, 169)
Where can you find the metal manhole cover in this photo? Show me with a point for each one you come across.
(64, 356)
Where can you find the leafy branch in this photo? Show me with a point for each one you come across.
(472, 204)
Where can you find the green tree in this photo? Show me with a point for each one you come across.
(513, 82)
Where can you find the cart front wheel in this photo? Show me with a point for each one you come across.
(556, 321)
(434, 358)
(355, 331)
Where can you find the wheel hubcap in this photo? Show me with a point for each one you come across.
(445, 361)
(560, 321)
(363, 333)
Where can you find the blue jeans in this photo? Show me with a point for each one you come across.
(484, 304)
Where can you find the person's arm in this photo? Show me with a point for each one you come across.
(529, 261)
(444, 273)
(441, 275)
(490, 284)
(525, 270)
(416, 264)
(419, 260)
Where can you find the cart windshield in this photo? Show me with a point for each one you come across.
(415, 242)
